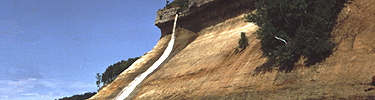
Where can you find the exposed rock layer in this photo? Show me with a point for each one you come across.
(203, 64)
(202, 14)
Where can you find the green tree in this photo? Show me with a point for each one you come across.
(119, 68)
(98, 79)
(243, 41)
(104, 78)
(289, 29)
(79, 97)
(109, 71)
(116, 69)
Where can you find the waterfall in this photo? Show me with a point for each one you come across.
(131, 86)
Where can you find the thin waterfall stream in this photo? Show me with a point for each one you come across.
(131, 86)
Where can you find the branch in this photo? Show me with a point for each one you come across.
(283, 13)
(281, 39)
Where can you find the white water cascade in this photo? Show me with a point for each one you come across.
(131, 86)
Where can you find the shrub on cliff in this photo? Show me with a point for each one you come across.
(289, 29)
(183, 4)
(243, 41)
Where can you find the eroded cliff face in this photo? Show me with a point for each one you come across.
(202, 14)
(203, 64)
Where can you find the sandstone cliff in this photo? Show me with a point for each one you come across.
(203, 64)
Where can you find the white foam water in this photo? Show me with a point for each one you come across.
(131, 86)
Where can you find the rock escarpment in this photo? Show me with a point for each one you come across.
(203, 64)
(202, 14)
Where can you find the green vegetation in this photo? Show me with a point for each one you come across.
(113, 71)
(183, 4)
(291, 29)
(243, 41)
(79, 97)
(98, 79)
(107, 77)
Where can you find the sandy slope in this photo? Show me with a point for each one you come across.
(208, 68)
(203, 65)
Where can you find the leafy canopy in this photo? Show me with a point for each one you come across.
(114, 70)
(305, 25)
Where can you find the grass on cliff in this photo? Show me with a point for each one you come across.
(291, 29)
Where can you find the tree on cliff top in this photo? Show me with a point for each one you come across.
(98, 80)
(114, 70)
(183, 4)
(303, 25)
(79, 97)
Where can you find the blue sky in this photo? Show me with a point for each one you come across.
(53, 48)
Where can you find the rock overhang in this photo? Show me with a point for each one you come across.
(201, 14)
